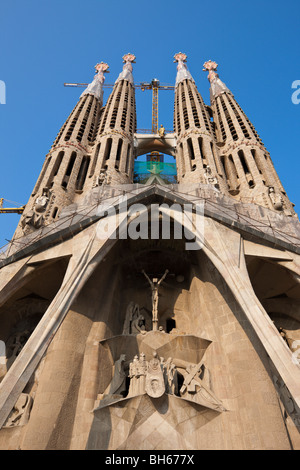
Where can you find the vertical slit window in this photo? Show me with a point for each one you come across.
(55, 168)
(191, 149)
(54, 213)
(107, 152)
(118, 156)
(74, 120)
(181, 156)
(243, 161)
(127, 159)
(82, 173)
(229, 120)
(69, 170)
(95, 160)
(43, 172)
(201, 149)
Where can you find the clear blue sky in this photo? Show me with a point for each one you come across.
(46, 43)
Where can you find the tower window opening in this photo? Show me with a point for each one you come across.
(201, 149)
(54, 213)
(193, 106)
(43, 172)
(229, 120)
(55, 168)
(221, 122)
(107, 151)
(92, 171)
(231, 173)
(74, 120)
(181, 158)
(243, 161)
(127, 159)
(247, 172)
(185, 113)
(119, 150)
(105, 114)
(69, 170)
(82, 173)
(222, 158)
(191, 149)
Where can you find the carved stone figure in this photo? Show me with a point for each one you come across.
(154, 284)
(42, 201)
(15, 344)
(134, 371)
(193, 388)
(171, 377)
(102, 178)
(118, 383)
(155, 384)
(289, 404)
(20, 412)
(276, 199)
(33, 219)
(134, 321)
(210, 178)
(132, 312)
(161, 131)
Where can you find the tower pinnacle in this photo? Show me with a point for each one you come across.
(182, 70)
(126, 73)
(217, 87)
(95, 88)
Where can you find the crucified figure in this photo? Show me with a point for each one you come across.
(154, 284)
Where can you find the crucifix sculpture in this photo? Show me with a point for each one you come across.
(154, 284)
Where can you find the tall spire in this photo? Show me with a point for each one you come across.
(126, 73)
(217, 87)
(96, 87)
(66, 165)
(113, 154)
(182, 70)
(196, 153)
(249, 170)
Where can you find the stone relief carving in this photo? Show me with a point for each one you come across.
(210, 178)
(134, 321)
(15, 344)
(290, 406)
(292, 339)
(157, 377)
(42, 201)
(155, 382)
(20, 413)
(118, 383)
(276, 199)
(35, 217)
(137, 375)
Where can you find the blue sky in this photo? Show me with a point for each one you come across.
(46, 43)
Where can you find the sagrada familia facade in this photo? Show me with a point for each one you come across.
(158, 315)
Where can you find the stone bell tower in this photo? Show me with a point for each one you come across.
(153, 316)
(250, 173)
(197, 156)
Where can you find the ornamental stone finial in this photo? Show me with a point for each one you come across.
(101, 68)
(211, 67)
(126, 74)
(217, 87)
(180, 57)
(182, 70)
(95, 88)
(129, 58)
